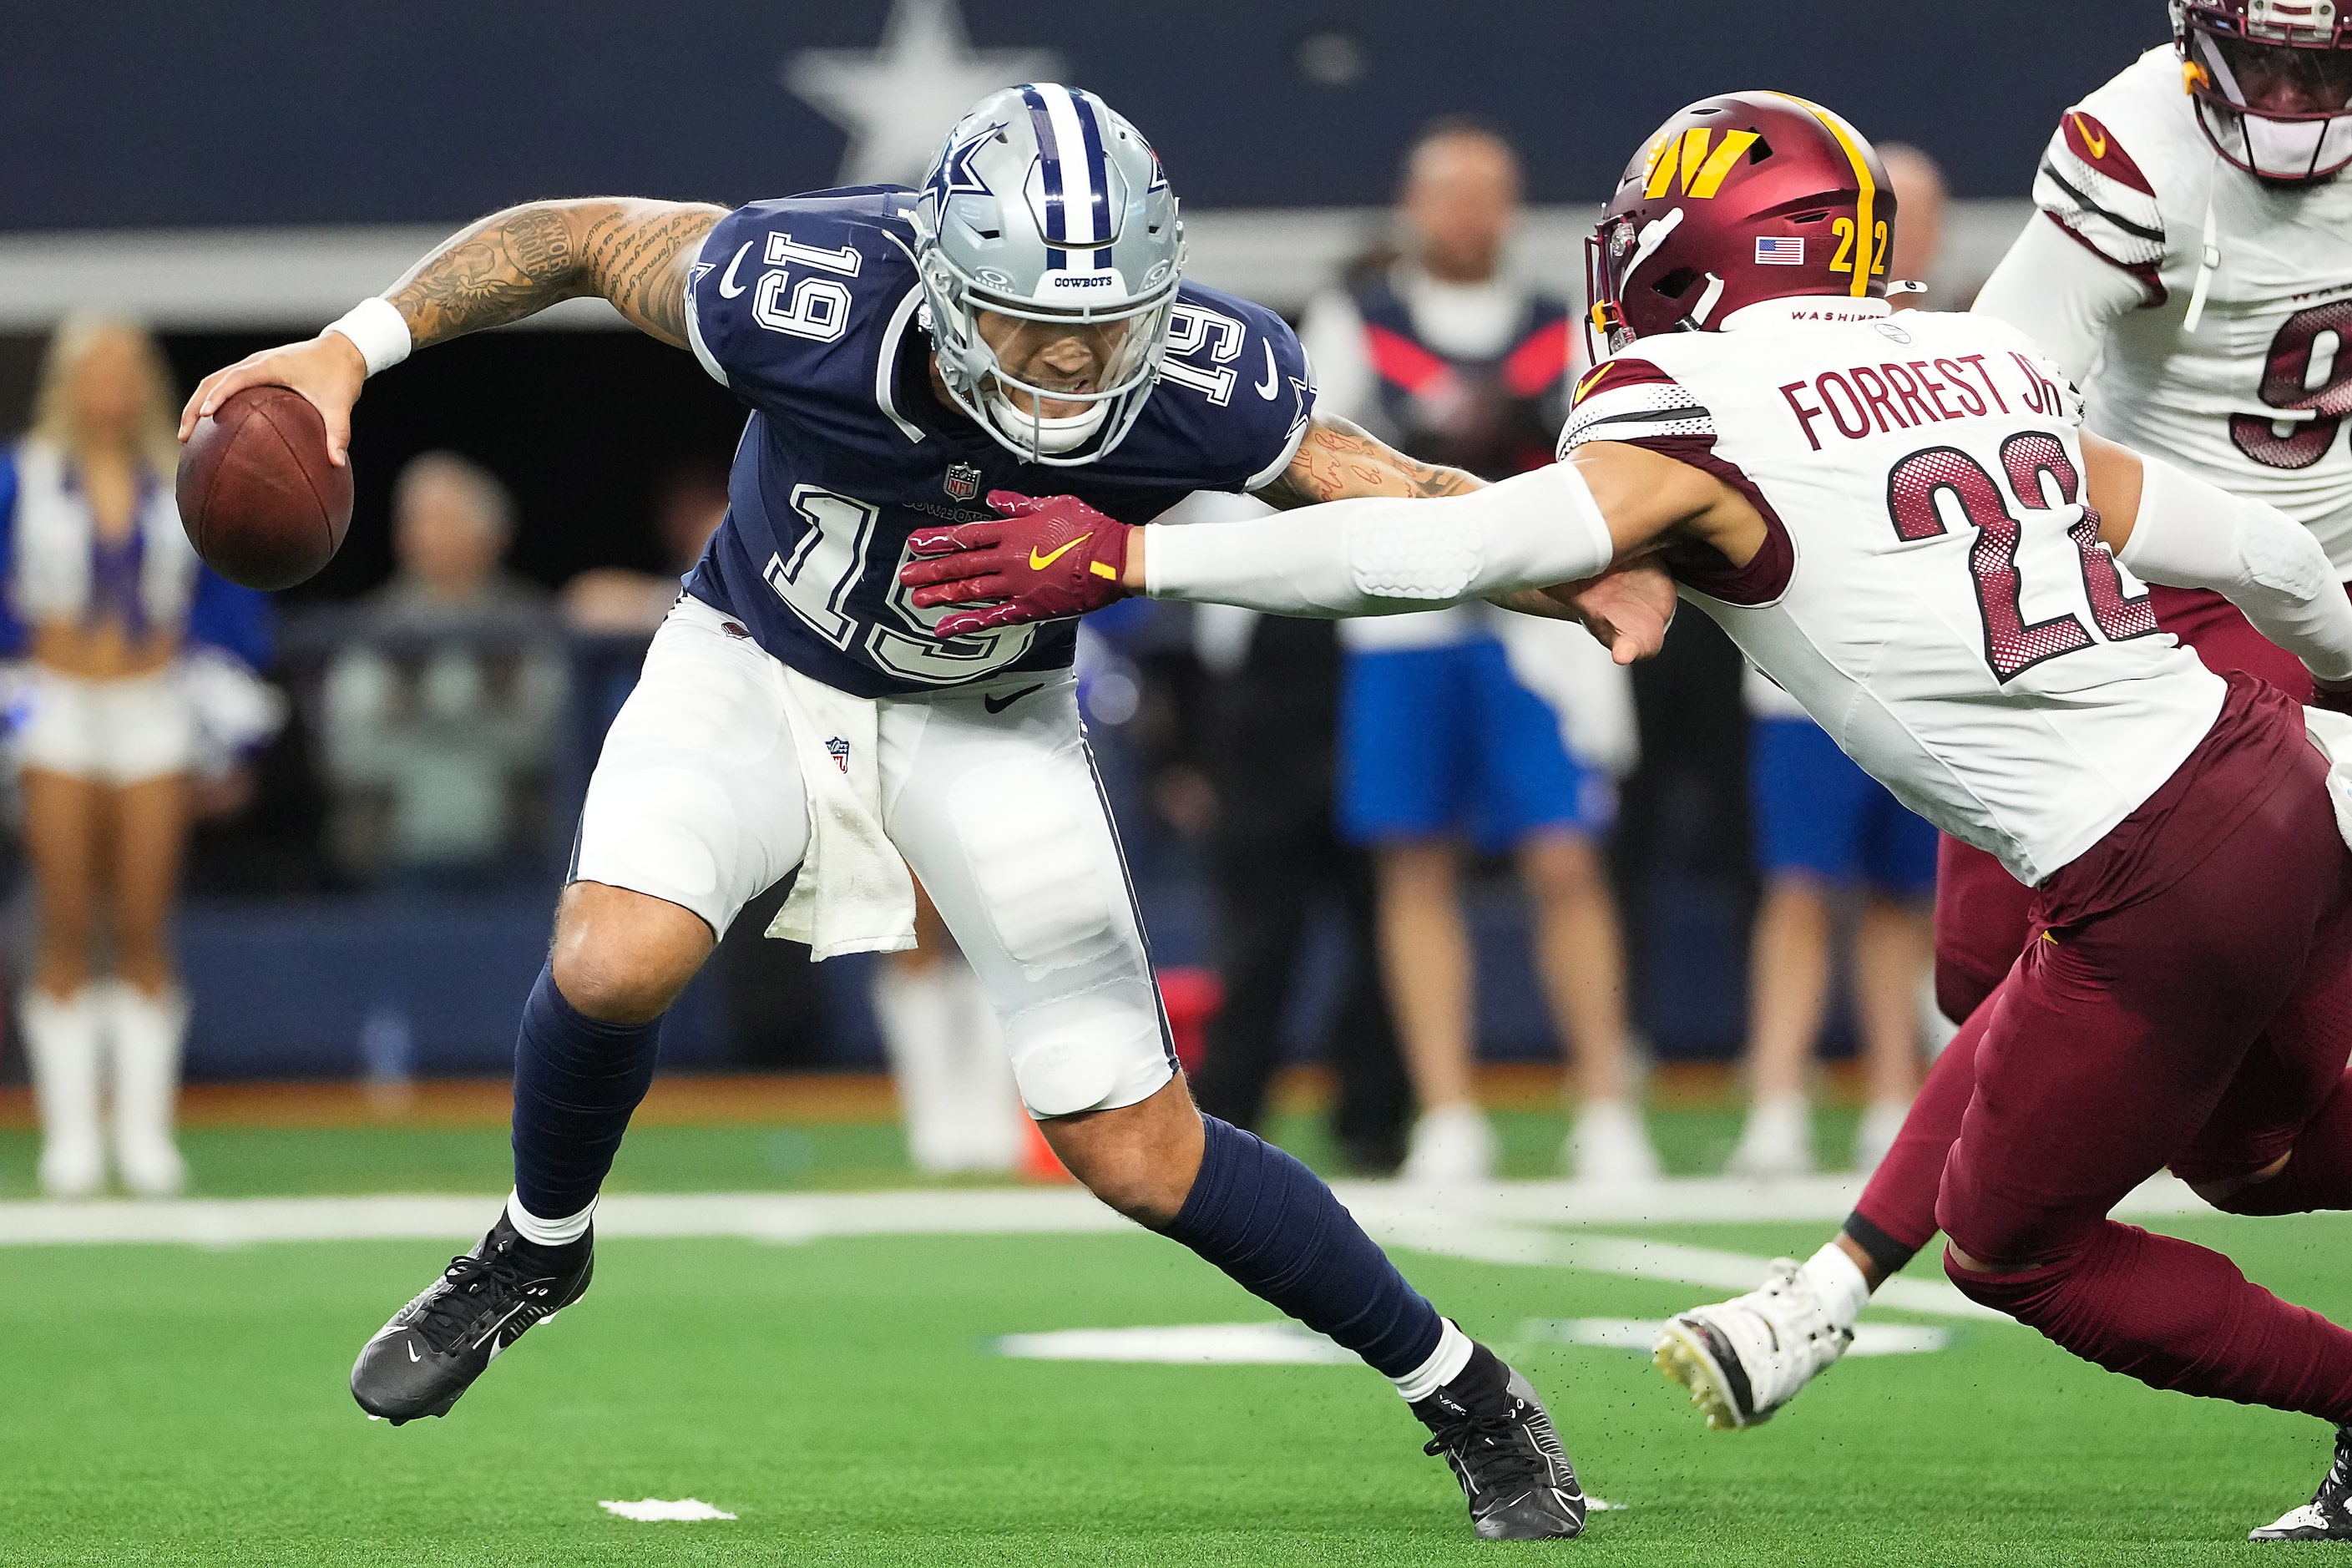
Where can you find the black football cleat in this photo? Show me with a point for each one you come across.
(2328, 1515)
(1498, 1437)
(433, 1348)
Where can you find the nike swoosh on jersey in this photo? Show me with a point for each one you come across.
(728, 286)
(999, 704)
(1265, 388)
(2095, 141)
(1039, 563)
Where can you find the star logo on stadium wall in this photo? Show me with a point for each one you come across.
(898, 100)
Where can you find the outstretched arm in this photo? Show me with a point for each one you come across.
(1551, 530)
(1340, 460)
(511, 265)
(2173, 528)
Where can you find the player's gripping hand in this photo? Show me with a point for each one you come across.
(1047, 558)
(329, 370)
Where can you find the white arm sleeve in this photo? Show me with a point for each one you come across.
(2192, 534)
(1380, 556)
(2061, 294)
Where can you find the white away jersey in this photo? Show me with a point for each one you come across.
(1932, 589)
(2253, 400)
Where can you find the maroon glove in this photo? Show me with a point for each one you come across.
(1048, 558)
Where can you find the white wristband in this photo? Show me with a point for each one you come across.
(377, 329)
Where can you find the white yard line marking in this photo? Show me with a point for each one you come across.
(653, 1509)
(1630, 1334)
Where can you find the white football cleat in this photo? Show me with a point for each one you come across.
(1610, 1143)
(1777, 1141)
(1451, 1143)
(1745, 1358)
(1881, 1123)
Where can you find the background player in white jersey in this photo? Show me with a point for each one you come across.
(1022, 321)
(2191, 266)
(2191, 270)
(1900, 521)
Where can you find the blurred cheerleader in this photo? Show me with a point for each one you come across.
(136, 678)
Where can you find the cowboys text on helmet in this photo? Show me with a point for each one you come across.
(1049, 214)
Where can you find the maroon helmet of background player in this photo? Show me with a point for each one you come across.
(2273, 81)
(1738, 199)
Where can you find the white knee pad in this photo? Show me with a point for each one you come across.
(1088, 1051)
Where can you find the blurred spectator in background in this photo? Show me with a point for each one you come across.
(441, 718)
(1445, 354)
(138, 675)
(957, 1098)
(614, 600)
(1268, 727)
(1824, 829)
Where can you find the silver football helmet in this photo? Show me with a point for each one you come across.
(1045, 207)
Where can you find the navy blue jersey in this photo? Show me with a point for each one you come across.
(808, 308)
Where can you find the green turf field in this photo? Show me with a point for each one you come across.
(171, 1404)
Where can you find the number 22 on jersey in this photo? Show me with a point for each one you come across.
(2035, 463)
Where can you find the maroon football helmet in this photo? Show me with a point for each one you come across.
(1738, 199)
(2273, 81)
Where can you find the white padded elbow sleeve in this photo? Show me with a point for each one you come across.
(2192, 534)
(1382, 556)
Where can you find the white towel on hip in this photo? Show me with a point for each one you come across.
(854, 893)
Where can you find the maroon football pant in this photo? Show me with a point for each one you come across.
(1981, 908)
(2204, 1024)
(1982, 916)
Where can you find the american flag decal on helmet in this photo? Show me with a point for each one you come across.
(1779, 252)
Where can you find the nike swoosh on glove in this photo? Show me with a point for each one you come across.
(1048, 557)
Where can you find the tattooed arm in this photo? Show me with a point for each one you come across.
(511, 265)
(1337, 460)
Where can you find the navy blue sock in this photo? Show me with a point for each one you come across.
(576, 1080)
(1271, 1224)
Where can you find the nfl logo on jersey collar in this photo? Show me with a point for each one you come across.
(961, 482)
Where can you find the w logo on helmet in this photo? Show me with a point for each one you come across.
(1700, 162)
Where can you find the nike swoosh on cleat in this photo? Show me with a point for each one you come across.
(1039, 563)
(413, 1357)
(728, 286)
(999, 704)
(1265, 388)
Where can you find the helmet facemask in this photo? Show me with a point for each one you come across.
(1127, 340)
(2279, 108)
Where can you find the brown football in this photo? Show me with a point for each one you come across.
(260, 499)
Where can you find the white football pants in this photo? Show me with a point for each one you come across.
(989, 792)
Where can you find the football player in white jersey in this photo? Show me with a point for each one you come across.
(1901, 521)
(2190, 268)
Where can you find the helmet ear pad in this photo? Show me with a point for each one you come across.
(1736, 200)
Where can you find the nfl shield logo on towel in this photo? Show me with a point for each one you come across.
(838, 750)
(963, 481)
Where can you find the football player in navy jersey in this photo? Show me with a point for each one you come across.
(1020, 323)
